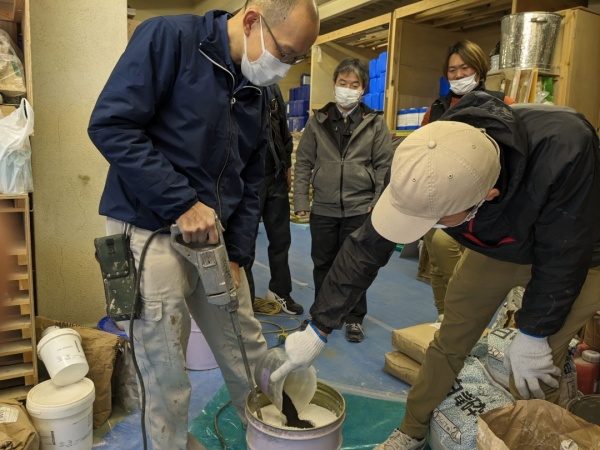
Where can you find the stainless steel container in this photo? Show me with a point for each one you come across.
(528, 40)
(587, 407)
(262, 436)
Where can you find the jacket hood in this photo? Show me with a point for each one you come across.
(483, 110)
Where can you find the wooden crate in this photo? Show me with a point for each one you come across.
(18, 361)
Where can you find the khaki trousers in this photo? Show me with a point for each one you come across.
(475, 292)
(171, 290)
(444, 253)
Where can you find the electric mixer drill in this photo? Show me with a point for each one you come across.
(212, 263)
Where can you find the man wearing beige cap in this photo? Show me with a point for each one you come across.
(520, 189)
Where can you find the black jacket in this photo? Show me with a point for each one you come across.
(279, 153)
(547, 214)
(442, 104)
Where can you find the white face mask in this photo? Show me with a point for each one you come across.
(470, 216)
(464, 85)
(346, 97)
(267, 69)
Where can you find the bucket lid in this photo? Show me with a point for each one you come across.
(49, 401)
(54, 334)
(591, 356)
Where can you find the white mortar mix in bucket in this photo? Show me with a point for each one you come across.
(63, 415)
(63, 356)
(326, 410)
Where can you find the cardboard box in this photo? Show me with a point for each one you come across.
(132, 24)
(401, 366)
(413, 341)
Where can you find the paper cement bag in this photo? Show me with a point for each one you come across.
(534, 424)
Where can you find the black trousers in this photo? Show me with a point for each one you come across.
(328, 235)
(275, 212)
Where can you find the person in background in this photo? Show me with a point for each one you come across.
(344, 153)
(466, 67)
(275, 205)
(182, 123)
(519, 188)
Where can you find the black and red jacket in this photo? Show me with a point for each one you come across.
(548, 214)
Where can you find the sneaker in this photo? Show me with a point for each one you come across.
(288, 305)
(400, 441)
(354, 332)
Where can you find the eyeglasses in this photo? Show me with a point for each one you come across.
(285, 58)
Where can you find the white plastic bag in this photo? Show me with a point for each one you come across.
(15, 150)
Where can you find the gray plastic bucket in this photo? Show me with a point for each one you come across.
(262, 436)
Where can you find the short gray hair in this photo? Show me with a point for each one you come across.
(276, 11)
(355, 66)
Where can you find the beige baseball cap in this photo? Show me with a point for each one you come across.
(440, 169)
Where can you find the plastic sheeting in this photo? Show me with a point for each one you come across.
(369, 421)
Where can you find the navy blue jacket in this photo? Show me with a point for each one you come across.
(178, 123)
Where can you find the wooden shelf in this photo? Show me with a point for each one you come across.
(17, 300)
(16, 371)
(18, 273)
(11, 10)
(18, 249)
(16, 347)
(16, 323)
(17, 393)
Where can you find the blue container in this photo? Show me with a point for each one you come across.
(373, 68)
(373, 83)
(413, 119)
(381, 100)
(381, 83)
(304, 92)
(444, 86)
(367, 100)
(382, 62)
(292, 94)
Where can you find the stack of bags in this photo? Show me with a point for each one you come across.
(410, 344)
(377, 72)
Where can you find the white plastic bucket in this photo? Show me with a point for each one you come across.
(62, 415)
(63, 356)
(199, 355)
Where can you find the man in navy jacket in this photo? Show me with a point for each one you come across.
(181, 121)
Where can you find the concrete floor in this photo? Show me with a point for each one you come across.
(396, 299)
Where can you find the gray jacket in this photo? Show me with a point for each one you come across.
(346, 184)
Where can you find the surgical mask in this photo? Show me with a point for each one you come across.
(346, 97)
(470, 216)
(464, 85)
(267, 69)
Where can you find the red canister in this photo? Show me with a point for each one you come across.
(588, 371)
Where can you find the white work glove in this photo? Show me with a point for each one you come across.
(301, 348)
(530, 359)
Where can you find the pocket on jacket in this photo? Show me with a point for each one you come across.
(358, 181)
(326, 183)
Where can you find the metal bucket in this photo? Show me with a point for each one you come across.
(528, 40)
(587, 407)
(262, 436)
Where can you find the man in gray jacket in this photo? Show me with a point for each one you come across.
(344, 153)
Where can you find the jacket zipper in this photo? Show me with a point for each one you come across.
(232, 101)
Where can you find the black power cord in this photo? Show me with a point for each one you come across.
(135, 303)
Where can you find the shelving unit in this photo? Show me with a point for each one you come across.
(18, 362)
(421, 33)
